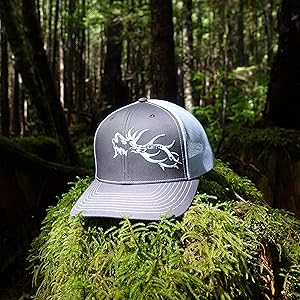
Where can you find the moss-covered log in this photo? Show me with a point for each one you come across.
(28, 185)
(28, 181)
(270, 157)
(228, 245)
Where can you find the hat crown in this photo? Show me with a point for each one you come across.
(140, 143)
(151, 141)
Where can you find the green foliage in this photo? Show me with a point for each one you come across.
(209, 116)
(246, 88)
(247, 93)
(42, 146)
(215, 251)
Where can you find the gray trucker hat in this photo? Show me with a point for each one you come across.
(148, 157)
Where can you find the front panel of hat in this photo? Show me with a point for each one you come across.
(143, 143)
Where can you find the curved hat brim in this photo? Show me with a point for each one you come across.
(150, 201)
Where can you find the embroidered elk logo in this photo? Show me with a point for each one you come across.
(148, 151)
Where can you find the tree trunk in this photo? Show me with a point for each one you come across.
(24, 35)
(50, 39)
(81, 68)
(69, 55)
(11, 15)
(55, 38)
(4, 104)
(227, 65)
(187, 33)
(283, 105)
(16, 120)
(163, 67)
(269, 29)
(240, 48)
(113, 90)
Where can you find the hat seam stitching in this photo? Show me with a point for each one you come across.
(125, 128)
(181, 140)
(101, 124)
(147, 181)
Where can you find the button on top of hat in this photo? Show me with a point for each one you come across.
(143, 99)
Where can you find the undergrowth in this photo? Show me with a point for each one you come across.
(231, 249)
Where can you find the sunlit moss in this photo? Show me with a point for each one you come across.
(215, 251)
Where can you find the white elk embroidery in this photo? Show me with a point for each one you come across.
(123, 144)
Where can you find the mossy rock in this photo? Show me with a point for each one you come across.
(228, 245)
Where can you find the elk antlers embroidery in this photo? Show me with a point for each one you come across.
(148, 151)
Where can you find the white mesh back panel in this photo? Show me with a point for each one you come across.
(199, 154)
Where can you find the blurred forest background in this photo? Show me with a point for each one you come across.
(66, 64)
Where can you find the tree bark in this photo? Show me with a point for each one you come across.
(69, 55)
(11, 16)
(4, 104)
(113, 90)
(240, 58)
(25, 38)
(55, 39)
(50, 39)
(283, 105)
(163, 67)
(187, 33)
(16, 120)
(81, 67)
(269, 29)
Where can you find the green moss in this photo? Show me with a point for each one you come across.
(226, 185)
(274, 136)
(42, 146)
(264, 139)
(213, 252)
